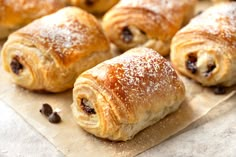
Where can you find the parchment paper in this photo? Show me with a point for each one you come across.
(74, 142)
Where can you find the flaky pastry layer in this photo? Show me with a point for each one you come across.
(17, 13)
(121, 96)
(51, 52)
(205, 49)
(146, 23)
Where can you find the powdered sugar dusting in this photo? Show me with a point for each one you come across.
(29, 10)
(166, 8)
(137, 77)
(219, 20)
(64, 34)
(156, 6)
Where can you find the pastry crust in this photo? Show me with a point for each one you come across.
(120, 97)
(147, 23)
(94, 6)
(51, 52)
(17, 13)
(205, 49)
(217, 1)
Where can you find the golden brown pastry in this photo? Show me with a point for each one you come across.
(17, 13)
(51, 52)
(148, 23)
(205, 49)
(94, 6)
(120, 97)
(217, 1)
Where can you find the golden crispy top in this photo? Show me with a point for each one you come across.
(142, 75)
(19, 12)
(170, 9)
(67, 34)
(159, 19)
(217, 21)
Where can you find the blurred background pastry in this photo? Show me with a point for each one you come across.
(94, 6)
(17, 13)
(147, 23)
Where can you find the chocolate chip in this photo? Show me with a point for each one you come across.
(54, 118)
(219, 90)
(126, 35)
(191, 64)
(210, 68)
(191, 67)
(89, 2)
(16, 66)
(46, 109)
(192, 58)
(142, 32)
(199, 12)
(86, 107)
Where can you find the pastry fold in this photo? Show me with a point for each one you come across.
(147, 23)
(51, 52)
(217, 1)
(205, 50)
(17, 13)
(120, 97)
(94, 6)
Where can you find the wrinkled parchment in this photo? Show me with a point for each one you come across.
(73, 141)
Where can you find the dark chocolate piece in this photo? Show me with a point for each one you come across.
(191, 64)
(89, 2)
(191, 67)
(219, 90)
(210, 68)
(86, 108)
(54, 118)
(46, 109)
(126, 35)
(142, 32)
(16, 66)
(199, 12)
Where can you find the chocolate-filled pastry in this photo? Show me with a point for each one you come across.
(94, 6)
(147, 23)
(17, 13)
(120, 97)
(50, 53)
(205, 49)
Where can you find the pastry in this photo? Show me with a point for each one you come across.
(49, 53)
(94, 6)
(148, 23)
(120, 97)
(217, 1)
(205, 49)
(16, 13)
